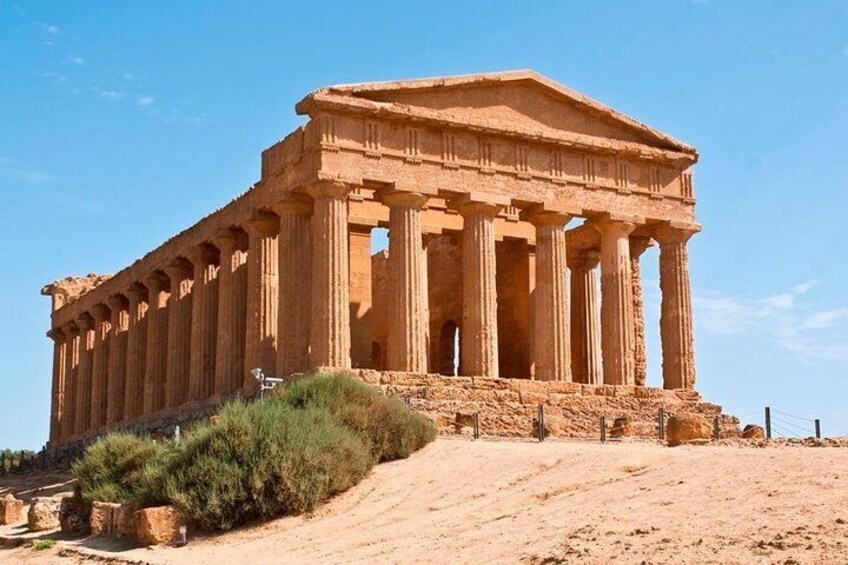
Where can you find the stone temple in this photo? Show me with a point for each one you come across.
(493, 188)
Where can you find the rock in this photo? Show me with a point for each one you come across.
(553, 426)
(43, 514)
(102, 518)
(753, 431)
(158, 526)
(126, 520)
(72, 517)
(688, 429)
(621, 427)
(11, 510)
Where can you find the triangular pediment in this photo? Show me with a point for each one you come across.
(518, 100)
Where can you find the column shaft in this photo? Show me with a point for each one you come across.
(117, 359)
(678, 349)
(100, 365)
(294, 256)
(57, 390)
(408, 320)
(71, 362)
(262, 298)
(204, 325)
(179, 334)
(330, 314)
(84, 374)
(638, 245)
(156, 350)
(585, 331)
(136, 354)
(479, 333)
(551, 345)
(232, 309)
(617, 334)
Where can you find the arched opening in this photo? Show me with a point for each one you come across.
(449, 349)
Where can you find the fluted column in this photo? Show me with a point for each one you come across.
(638, 245)
(84, 373)
(117, 359)
(330, 296)
(57, 390)
(294, 255)
(408, 320)
(156, 350)
(551, 342)
(136, 354)
(479, 334)
(617, 334)
(71, 362)
(678, 348)
(585, 332)
(100, 365)
(262, 297)
(179, 333)
(204, 321)
(232, 309)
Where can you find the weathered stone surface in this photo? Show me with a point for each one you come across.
(43, 514)
(11, 510)
(753, 431)
(72, 517)
(103, 518)
(158, 526)
(621, 427)
(688, 429)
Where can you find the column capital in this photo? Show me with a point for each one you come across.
(262, 223)
(584, 260)
(619, 224)
(117, 302)
(85, 322)
(293, 203)
(101, 313)
(539, 215)
(402, 199)
(330, 188)
(178, 269)
(156, 282)
(675, 232)
(638, 245)
(135, 292)
(70, 329)
(203, 255)
(56, 334)
(475, 203)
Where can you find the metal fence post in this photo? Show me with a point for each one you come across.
(661, 417)
(716, 428)
(541, 421)
(768, 422)
(476, 420)
(818, 428)
(603, 429)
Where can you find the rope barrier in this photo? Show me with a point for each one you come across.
(792, 415)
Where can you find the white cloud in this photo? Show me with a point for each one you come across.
(145, 101)
(75, 60)
(785, 319)
(52, 29)
(110, 94)
(10, 169)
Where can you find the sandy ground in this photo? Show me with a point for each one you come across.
(515, 502)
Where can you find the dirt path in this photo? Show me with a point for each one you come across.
(509, 502)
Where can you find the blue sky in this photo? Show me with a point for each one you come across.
(122, 123)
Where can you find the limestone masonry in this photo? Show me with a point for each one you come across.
(492, 187)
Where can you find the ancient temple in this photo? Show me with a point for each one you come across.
(517, 212)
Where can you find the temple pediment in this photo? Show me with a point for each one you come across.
(518, 101)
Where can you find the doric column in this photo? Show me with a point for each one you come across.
(262, 296)
(156, 350)
(100, 365)
(616, 302)
(179, 333)
(294, 285)
(71, 361)
(479, 333)
(551, 342)
(408, 320)
(585, 332)
(204, 321)
(82, 421)
(232, 309)
(678, 348)
(117, 359)
(136, 354)
(57, 390)
(638, 245)
(330, 296)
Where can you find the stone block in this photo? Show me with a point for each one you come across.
(11, 510)
(158, 526)
(103, 518)
(43, 514)
(72, 517)
(753, 431)
(691, 429)
(621, 427)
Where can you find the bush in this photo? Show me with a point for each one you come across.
(121, 467)
(390, 428)
(261, 461)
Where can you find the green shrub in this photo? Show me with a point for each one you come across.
(390, 428)
(43, 544)
(261, 461)
(121, 467)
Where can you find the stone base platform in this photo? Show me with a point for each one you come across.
(509, 407)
